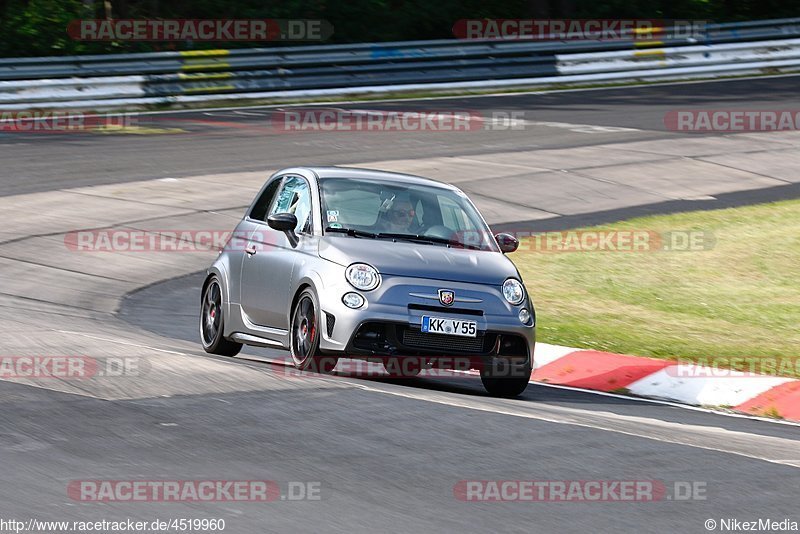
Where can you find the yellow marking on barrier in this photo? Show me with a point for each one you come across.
(209, 88)
(205, 76)
(648, 43)
(204, 53)
(646, 53)
(647, 30)
(134, 130)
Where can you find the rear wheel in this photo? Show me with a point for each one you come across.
(503, 380)
(304, 345)
(212, 322)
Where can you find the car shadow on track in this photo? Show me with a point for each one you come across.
(170, 309)
(471, 385)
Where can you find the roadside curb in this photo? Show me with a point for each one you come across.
(765, 396)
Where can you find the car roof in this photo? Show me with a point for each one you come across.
(374, 174)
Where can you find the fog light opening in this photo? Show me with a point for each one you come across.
(353, 300)
(524, 316)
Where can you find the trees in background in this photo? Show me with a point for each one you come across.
(38, 27)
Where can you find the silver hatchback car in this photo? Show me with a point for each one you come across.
(334, 262)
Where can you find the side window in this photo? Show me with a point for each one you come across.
(261, 206)
(295, 197)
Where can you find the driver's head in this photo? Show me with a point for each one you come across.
(400, 215)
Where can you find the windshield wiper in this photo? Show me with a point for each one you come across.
(419, 238)
(351, 232)
(428, 239)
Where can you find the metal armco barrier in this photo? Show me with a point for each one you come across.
(107, 81)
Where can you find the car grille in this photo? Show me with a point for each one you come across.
(442, 309)
(417, 339)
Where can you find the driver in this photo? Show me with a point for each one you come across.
(399, 217)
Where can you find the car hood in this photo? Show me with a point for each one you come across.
(419, 260)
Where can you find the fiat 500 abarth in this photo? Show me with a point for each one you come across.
(333, 263)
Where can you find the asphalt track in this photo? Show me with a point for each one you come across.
(236, 141)
(386, 453)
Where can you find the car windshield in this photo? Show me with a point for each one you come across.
(377, 209)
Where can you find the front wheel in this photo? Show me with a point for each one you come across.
(212, 322)
(304, 345)
(505, 380)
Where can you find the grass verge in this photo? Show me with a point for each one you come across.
(731, 302)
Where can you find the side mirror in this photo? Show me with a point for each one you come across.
(283, 222)
(507, 243)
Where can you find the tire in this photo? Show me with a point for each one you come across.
(305, 334)
(505, 382)
(212, 322)
(402, 367)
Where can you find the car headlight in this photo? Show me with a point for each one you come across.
(513, 291)
(362, 276)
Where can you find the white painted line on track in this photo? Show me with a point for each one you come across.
(287, 363)
(557, 354)
(582, 128)
(466, 159)
(239, 112)
(674, 429)
(121, 342)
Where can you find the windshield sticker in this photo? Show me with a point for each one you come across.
(333, 215)
(335, 225)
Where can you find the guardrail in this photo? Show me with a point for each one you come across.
(106, 81)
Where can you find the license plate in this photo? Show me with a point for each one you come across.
(450, 327)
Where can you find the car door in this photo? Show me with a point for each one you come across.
(254, 218)
(270, 257)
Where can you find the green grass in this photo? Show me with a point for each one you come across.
(739, 299)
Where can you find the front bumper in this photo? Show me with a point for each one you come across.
(389, 323)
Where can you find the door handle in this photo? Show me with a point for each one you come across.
(250, 249)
